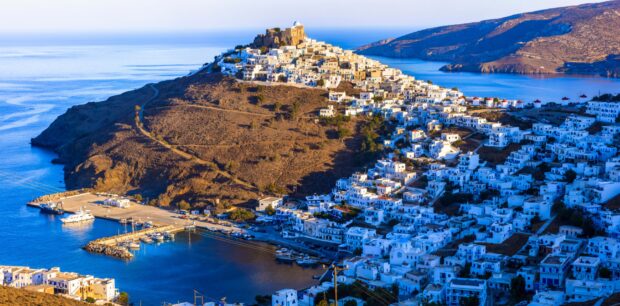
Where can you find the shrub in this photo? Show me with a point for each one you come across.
(183, 205)
(241, 215)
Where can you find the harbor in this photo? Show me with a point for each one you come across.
(143, 220)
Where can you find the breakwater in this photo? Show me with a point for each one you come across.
(110, 245)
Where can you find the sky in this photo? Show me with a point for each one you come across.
(112, 16)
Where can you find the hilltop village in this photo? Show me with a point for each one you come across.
(459, 209)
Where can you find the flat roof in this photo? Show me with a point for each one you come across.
(467, 282)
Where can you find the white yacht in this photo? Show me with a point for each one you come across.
(80, 216)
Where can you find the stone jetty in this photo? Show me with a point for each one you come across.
(109, 245)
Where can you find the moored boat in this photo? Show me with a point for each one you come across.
(307, 261)
(285, 255)
(52, 208)
(80, 216)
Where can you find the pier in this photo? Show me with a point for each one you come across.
(158, 216)
(110, 245)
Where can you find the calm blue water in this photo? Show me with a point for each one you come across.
(40, 77)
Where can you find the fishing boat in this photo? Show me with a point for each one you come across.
(134, 245)
(146, 239)
(148, 224)
(159, 237)
(52, 208)
(80, 216)
(307, 261)
(191, 226)
(285, 255)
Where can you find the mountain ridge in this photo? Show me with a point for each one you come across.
(581, 39)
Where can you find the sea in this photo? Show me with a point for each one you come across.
(43, 75)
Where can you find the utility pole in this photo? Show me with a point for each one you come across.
(198, 296)
(335, 284)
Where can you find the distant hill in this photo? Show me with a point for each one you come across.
(582, 39)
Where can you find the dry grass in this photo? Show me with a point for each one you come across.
(247, 140)
(21, 297)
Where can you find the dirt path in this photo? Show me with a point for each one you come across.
(214, 167)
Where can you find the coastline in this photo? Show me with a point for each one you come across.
(160, 217)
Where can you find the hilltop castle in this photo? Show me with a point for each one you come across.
(274, 37)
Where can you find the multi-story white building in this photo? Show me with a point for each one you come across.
(460, 289)
(553, 271)
(604, 111)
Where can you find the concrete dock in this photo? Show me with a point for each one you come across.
(158, 216)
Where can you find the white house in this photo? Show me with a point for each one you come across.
(263, 203)
(461, 288)
(284, 297)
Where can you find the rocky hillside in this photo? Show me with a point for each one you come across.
(582, 39)
(20, 297)
(205, 139)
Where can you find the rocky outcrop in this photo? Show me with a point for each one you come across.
(275, 37)
(582, 39)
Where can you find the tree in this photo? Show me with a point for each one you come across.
(517, 288)
(470, 301)
(294, 112)
(241, 215)
(320, 83)
(343, 133)
(269, 210)
(138, 197)
(90, 300)
(123, 299)
(263, 299)
(350, 303)
(322, 303)
(260, 99)
(570, 176)
(604, 273)
(465, 271)
(183, 205)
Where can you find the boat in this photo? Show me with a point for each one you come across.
(159, 237)
(191, 226)
(123, 221)
(80, 216)
(307, 261)
(52, 208)
(146, 239)
(134, 245)
(284, 255)
(148, 224)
